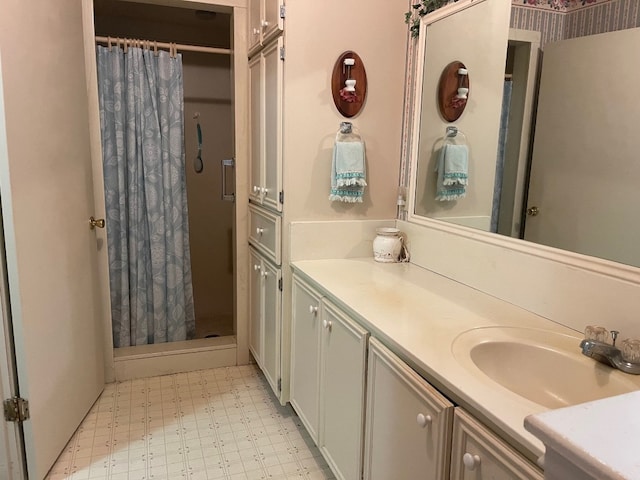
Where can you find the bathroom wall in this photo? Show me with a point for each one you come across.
(316, 34)
(479, 124)
(576, 21)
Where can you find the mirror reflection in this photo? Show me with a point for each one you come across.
(564, 178)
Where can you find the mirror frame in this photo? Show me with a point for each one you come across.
(597, 265)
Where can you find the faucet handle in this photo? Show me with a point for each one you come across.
(614, 336)
(630, 348)
(599, 334)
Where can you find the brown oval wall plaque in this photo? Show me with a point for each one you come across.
(349, 97)
(451, 100)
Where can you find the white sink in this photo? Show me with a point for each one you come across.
(542, 366)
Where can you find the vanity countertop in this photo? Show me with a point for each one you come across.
(419, 314)
(601, 437)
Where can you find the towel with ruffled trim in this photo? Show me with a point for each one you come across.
(348, 172)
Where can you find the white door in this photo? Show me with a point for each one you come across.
(344, 356)
(255, 106)
(255, 306)
(271, 314)
(47, 198)
(585, 148)
(272, 162)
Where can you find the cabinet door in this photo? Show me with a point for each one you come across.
(343, 358)
(256, 85)
(272, 124)
(408, 425)
(305, 355)
(271, 324)
(255, 24)
(255, 306)
(271, 24)
(478, 454)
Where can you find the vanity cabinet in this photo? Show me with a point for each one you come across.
(266, 90)
(328, 366)
(478, 454)
(408, 422)
(266, 20)
(409, 430)
(305, 354)
(265, 316)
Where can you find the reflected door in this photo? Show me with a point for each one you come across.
(583, 193)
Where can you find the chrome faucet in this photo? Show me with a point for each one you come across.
(609, 354)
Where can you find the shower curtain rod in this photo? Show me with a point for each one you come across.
(176, 46)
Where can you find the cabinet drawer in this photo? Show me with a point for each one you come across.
(264, 232)
(408, 422)
(478, 454)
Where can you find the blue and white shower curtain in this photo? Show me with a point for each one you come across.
(142, 119)
(500, 157)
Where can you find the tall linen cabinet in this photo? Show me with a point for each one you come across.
(266, 195)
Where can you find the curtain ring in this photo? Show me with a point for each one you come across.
(109, 43)
(155, 48)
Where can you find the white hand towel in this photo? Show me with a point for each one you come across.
(348, 172)
(453, 172)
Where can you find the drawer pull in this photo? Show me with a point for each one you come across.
(471, 462)
(424, 420)
(259, 231)
(327, 324)
(313, 310)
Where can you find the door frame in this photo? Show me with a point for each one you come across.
(10, 432)
(240, 89)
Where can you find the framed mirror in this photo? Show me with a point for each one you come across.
(566, 174)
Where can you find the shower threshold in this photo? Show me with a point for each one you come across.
(174, 357)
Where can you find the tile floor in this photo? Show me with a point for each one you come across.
(223, 423)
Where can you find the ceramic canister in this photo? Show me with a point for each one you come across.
(387, 245)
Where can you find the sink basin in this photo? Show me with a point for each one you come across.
(542, 366)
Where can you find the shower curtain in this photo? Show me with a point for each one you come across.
(500, 158)
(141, 119)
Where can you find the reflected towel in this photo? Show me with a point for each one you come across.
(453, 172)
(348, 173)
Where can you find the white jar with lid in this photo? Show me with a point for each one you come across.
(387, 246)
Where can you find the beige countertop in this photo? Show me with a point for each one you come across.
(419, 315)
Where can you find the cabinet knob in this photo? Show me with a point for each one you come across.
(264, 23)
(264, 190)
(471, 462)
(256, 268)
(259, 231)
(423, 420)
(264, 273)
(256, 31)
(313, 310)
(256, 189)
(327, 324)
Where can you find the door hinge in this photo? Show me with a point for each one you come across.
(281, 53)
(280, 284)
(281, 197)
(283, 11)
(279, 384)
(16, 409)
